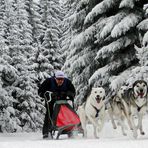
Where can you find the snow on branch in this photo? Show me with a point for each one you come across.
(82, 4)
(77, 19)
(105, 72)
(143, 25)
(98, 74)
(138, 73)
(146, 8)
(142, 55)
(82, 61)
(125, 25)
(81, 39)
(127, 3)
(115, 46)
(117, 81)
(145, 39)
(111, 22)
(100, 9)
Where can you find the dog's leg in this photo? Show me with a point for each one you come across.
(100, 121)
(95, 125)
(110, 112)
(127, 113)
(134, 127)
(121, 121)
(129, 121)
(95, 132)
(139, 126)
(82, 116)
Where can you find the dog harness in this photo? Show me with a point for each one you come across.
(97, 111)
(134, 103)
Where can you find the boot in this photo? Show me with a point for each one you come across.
(48, 136)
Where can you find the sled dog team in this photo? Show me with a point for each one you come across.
(128, 104)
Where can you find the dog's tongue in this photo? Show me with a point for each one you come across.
(141, 94)
(98, 100)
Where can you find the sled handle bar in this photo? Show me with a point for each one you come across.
(49, 93)
(68, 99)
(50, 98)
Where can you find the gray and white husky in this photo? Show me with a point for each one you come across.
(136, 99)
(119, 110)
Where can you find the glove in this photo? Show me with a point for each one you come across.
(71, 95)
(63, 95)
(54, 95)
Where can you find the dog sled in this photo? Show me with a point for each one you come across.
(64, 119)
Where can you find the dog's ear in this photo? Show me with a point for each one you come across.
(134, 84)
(128, 92)
(146, 85)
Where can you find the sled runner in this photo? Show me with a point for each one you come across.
(64, 119)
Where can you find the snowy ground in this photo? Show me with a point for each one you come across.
(110, 138)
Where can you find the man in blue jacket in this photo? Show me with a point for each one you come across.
(63, 87)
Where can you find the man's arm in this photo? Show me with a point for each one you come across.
(43, 88)
(71, 91)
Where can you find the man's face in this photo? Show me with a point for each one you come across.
(59, 81)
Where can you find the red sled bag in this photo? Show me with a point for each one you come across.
(65, 116)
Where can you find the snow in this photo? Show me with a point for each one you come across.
(100, 8)
(127, 3)
(110, 138)
(125, 25)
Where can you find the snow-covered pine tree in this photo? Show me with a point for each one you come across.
(8, 120)
(28, 105)
(40, 66)
(50, 47)
(69, 7)
(23, 109)
(143, 28)
(34, 19)
(103, 50)
(19, 83)
(141, 71)
(3, 27)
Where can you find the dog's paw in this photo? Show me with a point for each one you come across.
(114, 127)
(124, 134)
(97, 137)
(142, 133)
(135, 135)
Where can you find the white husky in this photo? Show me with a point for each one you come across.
(93, 111)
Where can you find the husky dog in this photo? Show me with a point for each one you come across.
(118, 109)
(136, 99)
(93, 110)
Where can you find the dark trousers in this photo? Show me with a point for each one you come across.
(47, 126)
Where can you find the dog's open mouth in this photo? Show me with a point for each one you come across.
(98, 99)
(141, 94)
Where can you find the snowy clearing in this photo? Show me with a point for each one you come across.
(109, 138)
